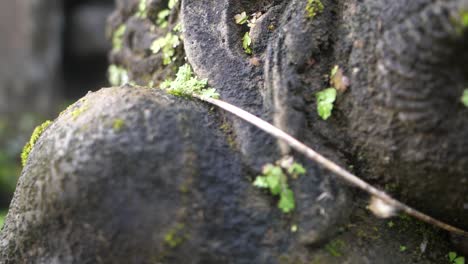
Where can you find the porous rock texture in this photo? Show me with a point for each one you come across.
(173, 184)
(132, 175)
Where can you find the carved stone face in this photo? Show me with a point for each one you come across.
(399, 122)
(401, 119)
(406, 115)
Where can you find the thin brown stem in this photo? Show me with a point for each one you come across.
(330, 165)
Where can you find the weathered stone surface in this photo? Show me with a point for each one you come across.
(400, 123)
(398, 57)
(403, 110)
(130, 175)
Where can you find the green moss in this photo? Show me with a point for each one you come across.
(275, 179)
(2, 218)
(174, 237)
(405, 224)
(172, 3)
(77, 112)
(166, 45)
(117, 75)
(335, 247)
(246, 43)
(186, 85)
(460, 22)
(464, 18)
(314, 8)
(142, 9)
(227, 130)
(164, 14)
(464, 98)
(118, 124)
(117, 37)
(325, 102)
(161, 20)
(32, 141)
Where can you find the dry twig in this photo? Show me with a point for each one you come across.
(330, 165)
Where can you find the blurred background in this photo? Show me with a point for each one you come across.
(52, 52)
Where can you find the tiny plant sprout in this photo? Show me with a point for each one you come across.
(162, 18)
(117, 37)
(294, 228)
(246, 42)
(464, 98)
(325, 100)
(167, 45)
(34, 138)
(314, 7)
(381, 209)
(241, 18)
(142, 9)
(275, 179)
(186, 85)
(172, 4)
(455, 259)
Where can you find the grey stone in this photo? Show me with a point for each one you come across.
(400, 125)
(132, 175)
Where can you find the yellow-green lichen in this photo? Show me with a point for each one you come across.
(464, 98)
(32, 141)
(460, 22)
(464, 18)
(227, 130)
(172, 3)
(163, 15)
(142, 9)
(161, 20)
(2, 218)
(174, 237)
(118, 124)
(314, 8)
(117, 75)
(335, 247)
(117, 37)
(77, 112)
(167, 45)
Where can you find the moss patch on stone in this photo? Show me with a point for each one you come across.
(142, 9)
(335, 247)
(460, 22)
(117, 75)
(314, 8)
(32, 141)
(118, 124)
(464, 98)
(77, 112)
(167, 46)
(175, 236)
(117, 37)
(464, 18)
